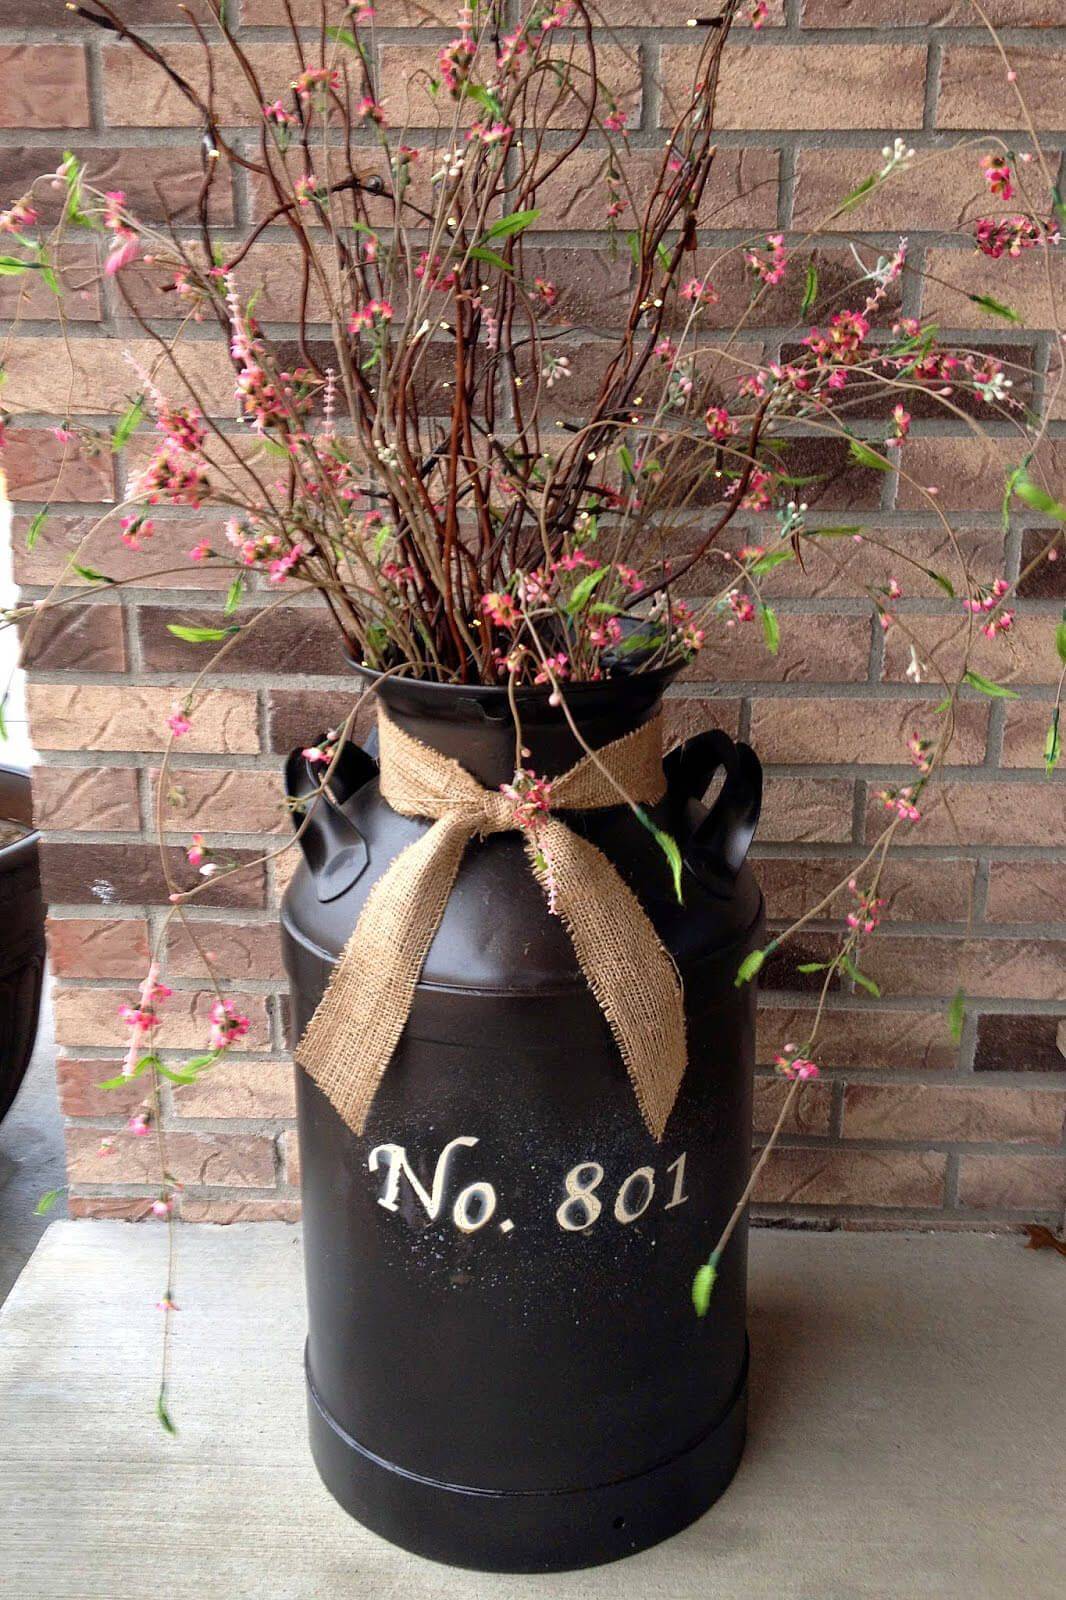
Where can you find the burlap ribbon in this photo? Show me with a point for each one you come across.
(352, 1035)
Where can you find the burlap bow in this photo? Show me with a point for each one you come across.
(352, 1035)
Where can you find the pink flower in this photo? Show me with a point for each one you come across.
(138, 1125)
(162, 1207)
(699, 291)
(605, 632)
(277, 114)
(18, 216)
(742, 607)
(64, 435)
(793, 1066)
(530, 796)
(200, 551)
(768, 261)
(547, 293)
(317, 83)
(178, 723)
(720, 424)
(195, 852)
(998, 176)
(373, 314)
(901, 802)
(126, 248)
(167, 1304)
(227, 1025)
(500, 609)
(615, 122)
(369, 110)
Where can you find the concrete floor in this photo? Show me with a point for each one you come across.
(907, 1436)
(31, 1159)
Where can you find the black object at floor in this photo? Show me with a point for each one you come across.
(21, 936)
(505, 1370)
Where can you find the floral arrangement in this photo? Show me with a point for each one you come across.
(473, 507)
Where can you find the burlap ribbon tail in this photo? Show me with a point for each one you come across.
(352, 1036)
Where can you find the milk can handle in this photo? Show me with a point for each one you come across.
(723, 836)
(334, 849)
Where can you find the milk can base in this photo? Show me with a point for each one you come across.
(490, 1530)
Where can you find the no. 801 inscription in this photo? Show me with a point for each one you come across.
(585, 1192)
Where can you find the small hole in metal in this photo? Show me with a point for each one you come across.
(619, 1522)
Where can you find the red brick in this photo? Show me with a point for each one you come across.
(28, 297)
(223, 1213)
(683, 717)
(806, 86)
(936, 192)
(76, 639)
(1022, 1183)
(1025, 732)
(947, 645)
(809, 1113)
(90, 1017)
(244, 949)
(1007, 1042)
(138, 95)
(173, 173)
(43, 86)
(230, 1160)
(921, 13)
(1026, 969)
(914, 891)
(215, 799)
(91, 716)
(970, 473)
(860, 1036)
(98, 947)
(290, 1151)
(805, 810)
(406, 69)
(291, 641)
(81, 1096)
(38, 467)
(299, 715)
(974, 92)
(90, 799)
(1026, 891)
(46, 373)
(982, 813)
(852, 1178)
(968, 1114)
(807, 730)
(741, 191)
(1034, 289)
(830, 650)
(165, 556)
(234, 1088)
(131, 874)
(114, 1208)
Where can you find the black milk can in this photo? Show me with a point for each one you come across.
(504, 1367)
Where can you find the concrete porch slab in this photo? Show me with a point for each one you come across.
(907, 1434)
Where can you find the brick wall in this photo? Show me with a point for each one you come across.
(904, 1124)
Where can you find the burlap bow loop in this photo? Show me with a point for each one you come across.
(357, 1026)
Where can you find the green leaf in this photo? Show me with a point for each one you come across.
(233, 598)
(810, 291)
(583, 591)
(346, 37)
(3, 719)
(1052, 744)
(46, 1202)
(1060, 640)
(625, 457)
(199, 635)
(867, 457)
(33, 532)
(479, 253)
(12, 267)
(669, 848)
(90, 574)
(164, 1415)
(813, 966)
(944, 583)
(175, 1077)
(198, 1063)
(995, 307)
(128, 423)
(748, 968)
(1036, 497)
(995, 691)
(772, 559)
(771, 628)
(860, 191)
(833, 533)
(514, 222)
(702, 1287)
(956, 1012)
(483, 96)
(860, 977)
